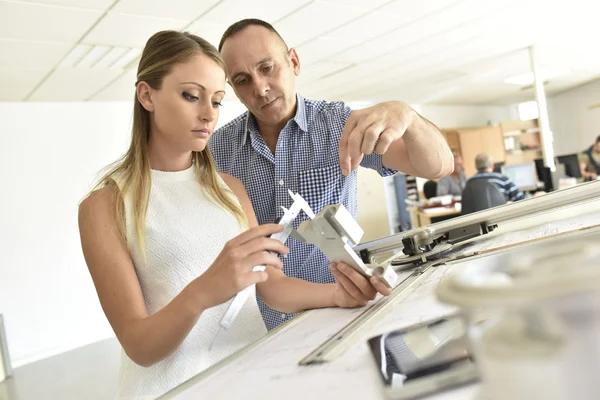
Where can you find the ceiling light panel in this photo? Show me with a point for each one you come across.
(130, 56)
(112, 57)
(93, 56)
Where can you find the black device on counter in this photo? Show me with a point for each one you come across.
(425, 358)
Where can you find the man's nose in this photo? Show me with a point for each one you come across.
(261, 87)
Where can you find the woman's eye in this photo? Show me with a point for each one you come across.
(189, 97)
(217, 104)
(267, 69)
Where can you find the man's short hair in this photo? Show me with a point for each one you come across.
(483, 161)
(598, 139)
(243, 24)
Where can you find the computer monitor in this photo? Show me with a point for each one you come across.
(544, 174)
(571, 163)
(524, 176)
(498, 166)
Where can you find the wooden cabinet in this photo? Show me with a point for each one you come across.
(468, 142)
(523, 141)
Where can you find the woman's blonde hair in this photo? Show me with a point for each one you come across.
(162, 52)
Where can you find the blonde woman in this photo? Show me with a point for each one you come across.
(166, 237)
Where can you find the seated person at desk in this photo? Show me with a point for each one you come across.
(453, 184)
(589, 161)
(485, 167)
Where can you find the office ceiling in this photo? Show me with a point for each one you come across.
(420, 51)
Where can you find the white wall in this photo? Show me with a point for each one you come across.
(574, 126)
(50, 153)
(464, 116)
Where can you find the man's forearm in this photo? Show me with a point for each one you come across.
(422, 150)
(292, 295)
(428, 151)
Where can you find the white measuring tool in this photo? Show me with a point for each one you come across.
(289, 215)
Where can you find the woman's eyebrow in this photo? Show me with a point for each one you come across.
(201, 86)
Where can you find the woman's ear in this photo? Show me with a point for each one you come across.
(144, 95)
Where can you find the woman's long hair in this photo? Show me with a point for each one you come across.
(163, 50)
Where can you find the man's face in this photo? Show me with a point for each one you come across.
(597, 147)
(262, 73)
(458, 165)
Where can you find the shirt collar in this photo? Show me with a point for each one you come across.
(299, 118)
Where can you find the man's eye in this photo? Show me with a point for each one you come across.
(267, 68)
(241, 82)
(189, 97)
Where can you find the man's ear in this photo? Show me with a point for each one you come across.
(294, 60)
(144, 95)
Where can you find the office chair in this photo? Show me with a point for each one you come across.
(481, 194)
(430, 189)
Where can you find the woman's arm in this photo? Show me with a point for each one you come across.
(145, 338)
(291, 295)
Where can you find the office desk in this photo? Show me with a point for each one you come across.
(420, 217)
(269, 368)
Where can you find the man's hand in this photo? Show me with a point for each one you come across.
(373, 129)
(353, 289)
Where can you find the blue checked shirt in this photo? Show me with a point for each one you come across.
(306, 161)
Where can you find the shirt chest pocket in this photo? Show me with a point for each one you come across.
(321, 186)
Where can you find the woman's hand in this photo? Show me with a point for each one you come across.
(232, 270)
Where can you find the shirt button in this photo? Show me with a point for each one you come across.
(282, 316)
(281, 182)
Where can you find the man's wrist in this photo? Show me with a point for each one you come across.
(333, 293)
(415, 123)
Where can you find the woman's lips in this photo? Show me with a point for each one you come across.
(201, 133)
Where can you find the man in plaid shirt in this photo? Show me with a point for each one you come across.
(285, 141)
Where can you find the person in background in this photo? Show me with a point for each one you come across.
(311, 147)
(589, 161)
(169, 241)
(453, 184)
(485, 168)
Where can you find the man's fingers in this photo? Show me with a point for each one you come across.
(343, 146)
(355, 140)
(380, 286)
(347, 284)
(385, 140)
(371, 135)
(363, 284)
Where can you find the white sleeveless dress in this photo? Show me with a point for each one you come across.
(185, 231)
